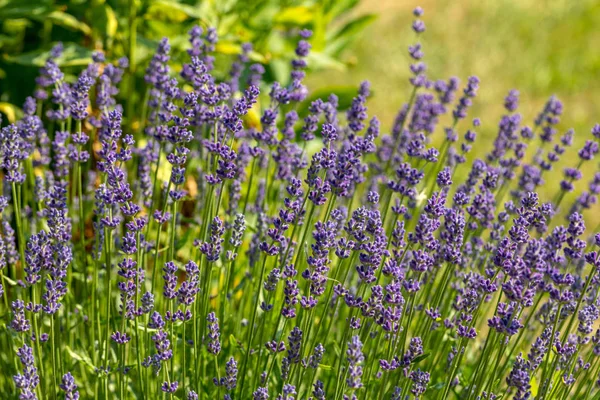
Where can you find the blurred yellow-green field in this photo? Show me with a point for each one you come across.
(539, 47)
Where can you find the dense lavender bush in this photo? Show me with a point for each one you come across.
(211, 254)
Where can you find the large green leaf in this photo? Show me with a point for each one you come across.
(172, 11)
(298, 15)
(420, 358)
(43, 11)
(144, 48)
(339, 7)
(339, 40)
(68, 21)
(25, 9)
(6, 40)
(80, 356)
(319, 27)
(281, 70)
(104, 20)
(319, 60)
(73, 55)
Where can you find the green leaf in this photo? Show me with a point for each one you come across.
(143, 328)
(228, 47)
(319, 26)
(78, 276)
(68, 21)
(13, 113)
(420, 358)
(355, 26)
(73, 55)
(10, 281)
(348, 33)
(535, 387)
(236, 343)
(81, 357)
(298, 15)
(104, 20)
(339, 7)
(439, 386)
(174, 11)
(281, 69)
(182, 241)
(145, 48)
(337, 350)
(25, 9)
(319, 60)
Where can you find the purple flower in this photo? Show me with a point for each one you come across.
(80, 92)
(120, 338)
(238, 229)
(29, 379)
(294, 339)
(192, 395)
(170, 277)
(420, 380)
(289, 392)
(212, 249)
(290, 300)
(69, 386)
(469, 92)
(13, 150)
(19, 323)
(229, 381)
(511, 101)
(188, 290)
(161, 342)
(169, 387)
(519, 378)
(355, 359)
(418, 26)
(316, 357)
(262, 393)
(589, 150)
(214, 345)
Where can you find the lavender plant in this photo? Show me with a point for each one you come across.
(298, 255)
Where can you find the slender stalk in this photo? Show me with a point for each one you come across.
(543, 383)
(79, 180)
(54, 363)
(251, 326)
(19, 223)
(108, 288)
(132, 25)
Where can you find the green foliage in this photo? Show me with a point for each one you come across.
(29, 28)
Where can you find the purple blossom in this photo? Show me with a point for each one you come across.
(69, 386)
(355, 359)
(214, 344)
(28, 380)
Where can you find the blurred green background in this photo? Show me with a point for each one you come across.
(133, 28)
(539, 47)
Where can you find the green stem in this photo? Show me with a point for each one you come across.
(108, 288)
(19, 222)
(251, 326)
(132, 20)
